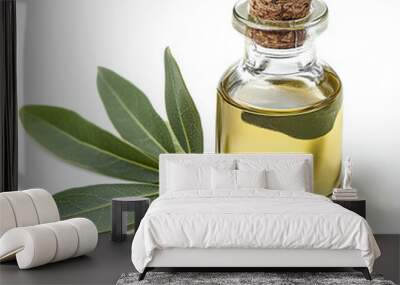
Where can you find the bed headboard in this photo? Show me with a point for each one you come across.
(164, 158)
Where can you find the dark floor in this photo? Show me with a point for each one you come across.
(110, 260)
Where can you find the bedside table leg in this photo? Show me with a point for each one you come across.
(117, 223)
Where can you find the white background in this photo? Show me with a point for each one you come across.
(61, 42)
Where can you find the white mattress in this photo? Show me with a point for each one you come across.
(252, 219)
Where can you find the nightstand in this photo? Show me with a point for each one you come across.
(120, 207)
(358, 206)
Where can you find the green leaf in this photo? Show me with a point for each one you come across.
(74, 139)
(94, 202)
(132, 114)
(181, 110)
(177, 145)
(304, 126)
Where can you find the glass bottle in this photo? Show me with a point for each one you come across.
(280, 97)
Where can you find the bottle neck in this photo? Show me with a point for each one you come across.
(260, 60)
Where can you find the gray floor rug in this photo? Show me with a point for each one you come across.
(244, 278)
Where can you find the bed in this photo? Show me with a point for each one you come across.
(215, 211)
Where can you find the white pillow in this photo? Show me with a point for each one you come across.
(227, 179)
(223, 179)
(282, 174)
(188, 174)
(293, 179)
(251, 178)
(181, 178)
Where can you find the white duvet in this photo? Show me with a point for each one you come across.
(250, 219)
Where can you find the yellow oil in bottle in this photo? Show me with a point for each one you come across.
(284, 115)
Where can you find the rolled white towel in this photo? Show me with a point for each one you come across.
(40, 244)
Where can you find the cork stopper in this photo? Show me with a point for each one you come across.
(278, 10)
